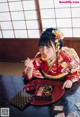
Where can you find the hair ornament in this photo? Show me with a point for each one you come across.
(58, 34)
(57, 44)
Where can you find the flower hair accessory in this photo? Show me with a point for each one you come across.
(59, 36)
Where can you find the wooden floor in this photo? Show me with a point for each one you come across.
(15, 69)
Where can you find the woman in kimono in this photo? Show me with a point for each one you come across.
(53, 61)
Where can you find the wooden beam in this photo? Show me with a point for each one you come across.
(39, 15)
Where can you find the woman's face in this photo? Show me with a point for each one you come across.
(49, 52)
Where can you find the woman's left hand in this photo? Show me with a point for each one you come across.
(67, 84)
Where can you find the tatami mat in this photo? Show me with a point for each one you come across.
(7, 68)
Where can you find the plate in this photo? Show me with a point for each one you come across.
(56, 95)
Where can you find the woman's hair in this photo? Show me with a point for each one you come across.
(47, 37)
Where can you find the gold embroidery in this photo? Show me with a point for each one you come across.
(64, 64)
(56, 76)
(51, 65)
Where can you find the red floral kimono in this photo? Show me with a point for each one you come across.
(66, 65)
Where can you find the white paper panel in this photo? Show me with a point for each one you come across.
(21, 34)
(3, 1)
(8, 34)
(4, 7)
(48, 13)
(32, 24)
(15, 6)
(46, 3)
(4, 16)
(29, 5)
(67, 32)
(76, 32)
(48, 23)
(64, 23)
(6, 25)
(19, 25)
(63, 13)
(13, 0)
(33, 33)
(17, 15)
(30, 15)
(76, 12)
(76, 22)
(0, 35)
(65, 16)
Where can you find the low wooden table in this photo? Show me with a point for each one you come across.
(11, 85)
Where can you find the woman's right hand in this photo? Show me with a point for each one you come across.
(28, 63)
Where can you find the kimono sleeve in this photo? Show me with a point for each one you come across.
(37, 63)
(74, 65)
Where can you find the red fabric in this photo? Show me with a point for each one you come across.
(67, 62)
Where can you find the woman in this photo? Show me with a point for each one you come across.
(53, 60)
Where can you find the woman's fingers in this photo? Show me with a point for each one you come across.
(67, 84)
(28, 63)
(64, 85)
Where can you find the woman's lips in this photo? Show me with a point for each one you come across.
(44, 57)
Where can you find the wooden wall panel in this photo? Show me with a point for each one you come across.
(16, 50)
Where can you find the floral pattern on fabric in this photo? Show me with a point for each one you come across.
(67, 64)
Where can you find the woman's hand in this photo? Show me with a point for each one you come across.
(67, 84)
(28, 63)
(28, 71)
